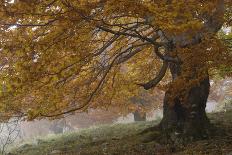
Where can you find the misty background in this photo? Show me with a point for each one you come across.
(16, 131)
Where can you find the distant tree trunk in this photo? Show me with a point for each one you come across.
(58, 126)
(138, 116)
(181, 121)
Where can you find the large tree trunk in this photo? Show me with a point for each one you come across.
(186, 120)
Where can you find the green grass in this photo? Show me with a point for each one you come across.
(124, 139)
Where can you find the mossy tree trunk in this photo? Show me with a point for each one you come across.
(186, 120)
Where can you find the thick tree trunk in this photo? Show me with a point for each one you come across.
(138, 116)
(181, 121)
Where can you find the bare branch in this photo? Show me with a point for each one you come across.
(143, 38)
(157, 79)
(85, 105)
(130, 52)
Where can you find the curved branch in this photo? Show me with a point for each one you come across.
(93, 93)
(157, 79)
(143, 38)
(130, 53)
(166, 57)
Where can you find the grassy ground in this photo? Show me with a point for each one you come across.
(124, 139)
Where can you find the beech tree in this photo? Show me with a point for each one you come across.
(64, 56)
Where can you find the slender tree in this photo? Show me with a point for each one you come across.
(64, 56)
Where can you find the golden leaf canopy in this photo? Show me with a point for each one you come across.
(62, 56)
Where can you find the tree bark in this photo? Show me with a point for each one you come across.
(181, 121)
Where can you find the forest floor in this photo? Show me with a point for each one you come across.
(125, 139)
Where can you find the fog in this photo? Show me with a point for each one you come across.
(19, 131)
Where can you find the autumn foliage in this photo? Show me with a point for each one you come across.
(63, 56)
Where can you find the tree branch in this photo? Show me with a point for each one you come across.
(212, 24)
(166, 57)
(28, 25)
(157, 79)
(131, 35)
(85, 105)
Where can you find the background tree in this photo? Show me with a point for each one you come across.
(9, 133)
(63, 56)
